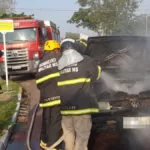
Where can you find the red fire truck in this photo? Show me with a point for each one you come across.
(25, 45)
(52, 30)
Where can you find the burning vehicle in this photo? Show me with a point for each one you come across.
(123, 92)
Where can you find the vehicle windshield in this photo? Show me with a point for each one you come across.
(20, 35)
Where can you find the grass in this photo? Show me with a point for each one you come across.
(8, 101)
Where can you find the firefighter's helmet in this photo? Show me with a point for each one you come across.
(51, 45)
(68, 44)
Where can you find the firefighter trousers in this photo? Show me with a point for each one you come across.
(76, 131)
(51, 126)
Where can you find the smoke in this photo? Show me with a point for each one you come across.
(133, 67)
(130, 88)
(112, 84)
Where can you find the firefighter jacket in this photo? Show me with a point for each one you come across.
(75, 86)
(46, 80)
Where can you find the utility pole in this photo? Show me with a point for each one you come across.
(146, 25)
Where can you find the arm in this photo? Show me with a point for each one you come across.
(94, 70)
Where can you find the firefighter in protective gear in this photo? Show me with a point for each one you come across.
(82, 45)
(46, 81)
(77, 73)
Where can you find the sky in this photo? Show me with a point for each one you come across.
(59, 11)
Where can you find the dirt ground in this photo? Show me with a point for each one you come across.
(5, 97)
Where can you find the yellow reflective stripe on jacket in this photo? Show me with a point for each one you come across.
(49, 104)
(53, 75)
(81, 111)
(73, 81)
(99, 72)
(83, 43)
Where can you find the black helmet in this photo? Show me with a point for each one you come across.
(68, 44)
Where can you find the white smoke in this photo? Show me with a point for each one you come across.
(133, 65)
(116, 86)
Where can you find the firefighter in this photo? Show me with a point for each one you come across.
(46, 81)
(77, 73)
(82, 44)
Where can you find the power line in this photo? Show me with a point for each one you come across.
(45, 9)
(71, 10)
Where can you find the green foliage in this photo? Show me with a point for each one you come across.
(13, 87)
(106, 15)
(6, 6)
(6, 111)
(71, 35)
(14, 15)
(7, 108)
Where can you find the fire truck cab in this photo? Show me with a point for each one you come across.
(25, 45)
(52, 30)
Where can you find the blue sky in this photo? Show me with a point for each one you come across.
(59, 11)
(145, 5)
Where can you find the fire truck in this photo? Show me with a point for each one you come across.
(25, 45)
(52, 30)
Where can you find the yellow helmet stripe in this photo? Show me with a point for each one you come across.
(45, 78)
(73, 81)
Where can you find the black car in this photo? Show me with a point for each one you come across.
(123, 92)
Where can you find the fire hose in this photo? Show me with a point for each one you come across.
(52, 147)
(31, 127)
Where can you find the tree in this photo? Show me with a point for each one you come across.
(106, 15)
(6, 6)
(142, 25)
(71, 35)
(14, 15)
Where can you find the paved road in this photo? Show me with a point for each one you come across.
(18, 138)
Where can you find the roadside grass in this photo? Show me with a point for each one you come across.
(8, 100)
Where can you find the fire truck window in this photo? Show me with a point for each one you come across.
(45, 34)
(41, 36)
(1, 38)
(21, 35)
(58, 37)
(53, 35)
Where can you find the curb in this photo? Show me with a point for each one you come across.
(5, 137)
